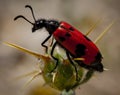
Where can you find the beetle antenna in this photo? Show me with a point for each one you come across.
(20, 16)
(28, 6)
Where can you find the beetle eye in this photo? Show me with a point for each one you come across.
(37, 23)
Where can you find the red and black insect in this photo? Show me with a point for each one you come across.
(76, 44)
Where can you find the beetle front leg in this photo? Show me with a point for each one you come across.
(52, 51)
(46, 47)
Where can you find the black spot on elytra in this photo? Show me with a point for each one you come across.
(61, 39)
(71, 28)
(97, 65)
(87, 38)
(68, 34)
(98, 56)
(80, 50)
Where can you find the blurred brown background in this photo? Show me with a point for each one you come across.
(81, 14)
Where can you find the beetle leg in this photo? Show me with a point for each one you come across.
(52, 51)
(69, 58)
(52, 41)
(46, 47)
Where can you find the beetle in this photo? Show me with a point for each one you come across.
(76, 44)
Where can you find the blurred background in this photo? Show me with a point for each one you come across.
(82, 14)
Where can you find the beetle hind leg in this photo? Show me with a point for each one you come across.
(69, 58)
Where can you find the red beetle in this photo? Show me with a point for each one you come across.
(76, 44)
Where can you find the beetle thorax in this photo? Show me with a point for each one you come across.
(51, 25)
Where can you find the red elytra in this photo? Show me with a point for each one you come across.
(71, 38)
